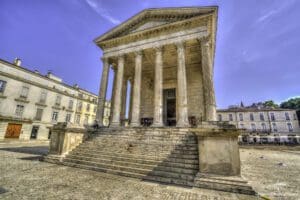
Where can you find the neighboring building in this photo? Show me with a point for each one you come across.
(30, 103)
(257, 120)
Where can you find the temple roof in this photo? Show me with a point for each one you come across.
(155, 17)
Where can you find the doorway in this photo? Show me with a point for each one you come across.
(13, 130)
(170, 107)
(34, 132)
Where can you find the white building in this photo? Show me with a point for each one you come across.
(30, 103)
(271, 121)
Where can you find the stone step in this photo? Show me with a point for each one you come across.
(173, 151)
(133, 175)
(142, 143)
(159, 166)
(148, 172)
(100, 154)
(158, 154)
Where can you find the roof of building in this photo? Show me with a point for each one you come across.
(44, 76)
(137, 20)
(252, 109)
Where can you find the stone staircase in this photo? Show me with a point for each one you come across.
(167, 155)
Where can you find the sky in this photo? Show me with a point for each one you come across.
(257, 48)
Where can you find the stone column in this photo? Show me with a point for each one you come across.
(182, 115)
(136, 99)
(102, 91)
(208, 85)
(124, 98)
(118, 93)
(158, 89)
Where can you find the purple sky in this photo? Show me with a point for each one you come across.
(257, 55)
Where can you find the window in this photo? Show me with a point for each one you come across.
(295, 117)
(242, 126)
(43, 97)
(261, 117)
(241, 117)
(79, 106)
(274, 127)
(19, 110)
(54, 116)
(58, 100)
(272, 116)
(251, 117)
(2, 86)
(287, 116)
(39, 114)
(230, 117)
(220, 117)
(68, 117)
(88, 107)
(70, 106)
(253, 127)
(95, 108)
(24, 92)
(263, 126)
(77, 120)
(86, 119)
(290, 127)
(80, 95)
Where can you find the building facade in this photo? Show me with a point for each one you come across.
(30, 103)
(270, 121)
(166, 57)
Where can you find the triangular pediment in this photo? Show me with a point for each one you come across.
(150, 18)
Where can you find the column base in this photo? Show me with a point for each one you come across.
(182, 125)
(157, 125)
(136, 125)
(224, 183)
(115, 124)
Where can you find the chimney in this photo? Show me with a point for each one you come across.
(17, 62)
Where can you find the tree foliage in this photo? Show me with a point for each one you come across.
(293, 103)
(270, 104)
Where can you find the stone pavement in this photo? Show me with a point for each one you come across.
(23, 176)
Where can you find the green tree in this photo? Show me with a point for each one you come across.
(293, 103)
(270, 104)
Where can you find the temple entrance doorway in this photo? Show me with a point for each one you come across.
(169, 107)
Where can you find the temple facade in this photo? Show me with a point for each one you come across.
(167, 57)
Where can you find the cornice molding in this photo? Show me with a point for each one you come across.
(157, 31)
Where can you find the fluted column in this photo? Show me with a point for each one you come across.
(182, 115)
(158, 89)
(102, 91)
(208, 85)
(136, 101)
(118, 93)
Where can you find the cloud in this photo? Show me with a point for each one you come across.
(98, 7)
(278, 9)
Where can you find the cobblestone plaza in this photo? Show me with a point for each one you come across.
(272, 173)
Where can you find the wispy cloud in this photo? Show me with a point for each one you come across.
(99, 8)
(278, 9)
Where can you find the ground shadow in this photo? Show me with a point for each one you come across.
(36, 150)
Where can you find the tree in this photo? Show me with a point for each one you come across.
(293, 103)
(270, 104)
